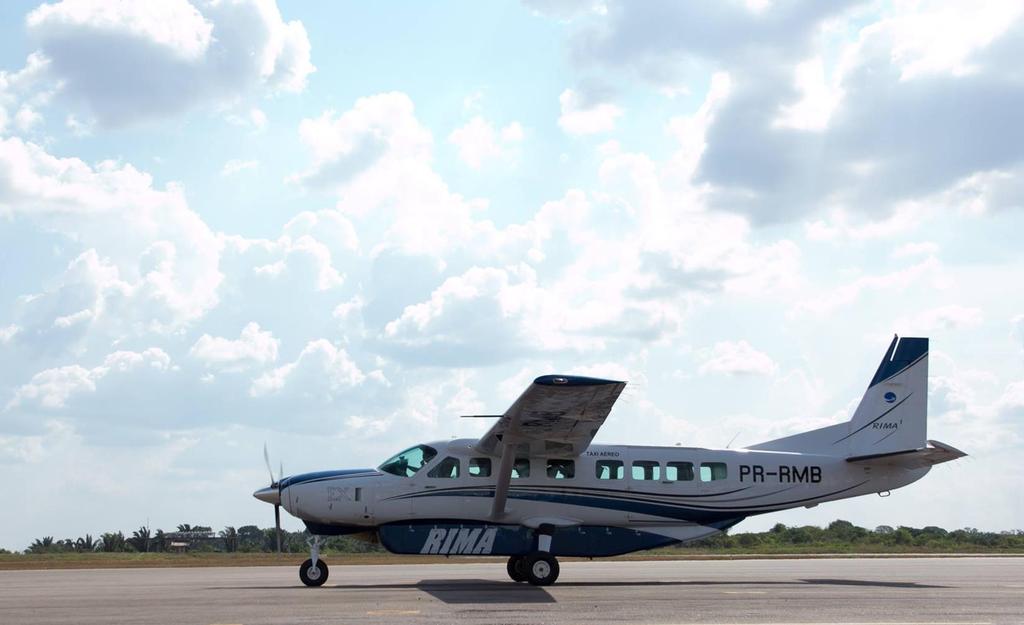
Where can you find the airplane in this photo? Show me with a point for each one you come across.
(534, 488)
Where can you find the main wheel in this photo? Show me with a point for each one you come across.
(517, 568)
(541, 568)
(313, 575)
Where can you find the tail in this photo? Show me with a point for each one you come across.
(892, 417)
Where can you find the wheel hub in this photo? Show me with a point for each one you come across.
(541, 569)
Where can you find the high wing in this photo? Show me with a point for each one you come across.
(556, 416)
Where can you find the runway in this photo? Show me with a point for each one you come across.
(937, 591)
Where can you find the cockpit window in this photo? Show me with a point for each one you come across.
(407, 463)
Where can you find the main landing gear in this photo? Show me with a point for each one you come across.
(539, 567)
(314, 571)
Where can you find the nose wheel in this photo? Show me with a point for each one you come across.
(313, 574)
(314, 571)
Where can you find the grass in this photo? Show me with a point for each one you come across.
(161, 560)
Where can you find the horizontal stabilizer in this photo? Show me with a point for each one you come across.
(934, 453)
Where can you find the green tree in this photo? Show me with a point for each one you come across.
(42, 545)
(86, 544)
(113, 542)
(250, 538)
(159, 542)
(140, 539)
(230, 537)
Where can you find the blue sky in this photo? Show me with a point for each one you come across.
(336, 227)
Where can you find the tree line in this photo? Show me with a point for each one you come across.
(195, 538)
(843, 536)
(838, 536)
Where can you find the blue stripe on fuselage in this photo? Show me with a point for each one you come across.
(324, 475)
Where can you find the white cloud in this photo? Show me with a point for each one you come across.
(737, 358)
(7, 333)
(478, 141)
(918, 248)
(20, 91)
(147, 257)
(322, 370)
(169, 56)
(927, 272)
(950, 317)
(818, 99)
(255, 119)
(586, 118)
(360, 154)
(53, 387)
(236, 165)
(943, 37)
(253, 348)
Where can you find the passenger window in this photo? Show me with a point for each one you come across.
(646, 470)
(480, 467)
(610, 470)
(711, 471)
(679, 471)
(521, 468)
(447, 468)
(561, 469)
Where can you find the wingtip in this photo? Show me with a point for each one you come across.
(572, 380)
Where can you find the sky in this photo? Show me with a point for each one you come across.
(333, 228)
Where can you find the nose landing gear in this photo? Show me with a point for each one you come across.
(314, 571)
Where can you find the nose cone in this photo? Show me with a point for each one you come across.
(270, 494)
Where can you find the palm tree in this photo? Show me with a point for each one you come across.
(41, 545)
(185, 527)
(113, 541)
(86, 543)
(230, 537)
(140, 539)
(159, 541)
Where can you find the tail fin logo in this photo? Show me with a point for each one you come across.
(890, 397)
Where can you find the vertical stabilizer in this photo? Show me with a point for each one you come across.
(891, 417)
(893, 414)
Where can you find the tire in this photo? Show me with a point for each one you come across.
(314, 576)
(516, 568)
(541, 568)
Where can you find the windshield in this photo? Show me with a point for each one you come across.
(407, 463)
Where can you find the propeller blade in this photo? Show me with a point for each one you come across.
(266, 459)
(277, 525)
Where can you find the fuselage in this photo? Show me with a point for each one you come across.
(679, 492)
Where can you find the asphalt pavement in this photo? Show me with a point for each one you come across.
(901, 591)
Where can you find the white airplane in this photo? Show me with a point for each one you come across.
(534, 487)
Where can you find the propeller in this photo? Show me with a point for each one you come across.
(275, 484)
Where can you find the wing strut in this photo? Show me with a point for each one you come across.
(508, 456)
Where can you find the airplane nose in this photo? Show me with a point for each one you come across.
(270, 494)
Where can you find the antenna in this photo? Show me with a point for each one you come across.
(733, 439)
